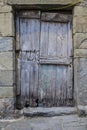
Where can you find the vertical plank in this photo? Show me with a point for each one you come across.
(69, 83)
(36, 82)
(22, 33)
(69, 42)
(29, 34)
(70, 67)
(64, 84)
(27, 77)
(53, 85)
(42, 86)
(33, 87)
(52, 39)
(44, 39)
(17, 33)
(18, 76)
(58, 40)
(64, 40)
(22, 84)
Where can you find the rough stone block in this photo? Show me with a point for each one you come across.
(82, 53)
(83, 127)
(6, 92)
(80, 41)
(48, 112)
(6, 77)
(80, 80)
(80, 10)
(81, 111)
(6, 24)
(6, 60)
(27, 2)
(80, 24)
(6, 44)
(5, 8)
(10, 104)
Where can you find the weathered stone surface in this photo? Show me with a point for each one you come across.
(6, 78)
(6, 44)
(80, 10)
(26, 2)
(80, 24)
(6, 107)
(81, 111)
(80, 80)
(48, 112)
(6, 92)
(82, 53)
(6, 24)
(6, 60)
(80, 41)
(71, 122)
(3, 124)
(5, 8)
(75, 128)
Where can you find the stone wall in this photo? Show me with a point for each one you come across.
(6, 57)
(80, 56)
(7, 49)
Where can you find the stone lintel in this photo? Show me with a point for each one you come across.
(27, 2)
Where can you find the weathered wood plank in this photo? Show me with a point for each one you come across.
(70, 83)
(56, 17)
(17, 33)
(59, 39)
(44, 39)
(64, 40)
(23, 84)
(33, 84)
(30, 14)
(18, 90)
(70, 42)
(29, 34)
(59, 61)
(52, 40)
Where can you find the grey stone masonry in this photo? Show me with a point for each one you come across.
(7, 59)
(80, 57)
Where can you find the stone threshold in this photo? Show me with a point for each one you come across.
(49, 112)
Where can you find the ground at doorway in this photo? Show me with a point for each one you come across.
(70, 122)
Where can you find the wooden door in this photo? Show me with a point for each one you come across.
(44, 59)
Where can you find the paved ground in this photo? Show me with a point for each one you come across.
(70, 122)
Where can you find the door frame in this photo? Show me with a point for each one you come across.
(17, 42)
